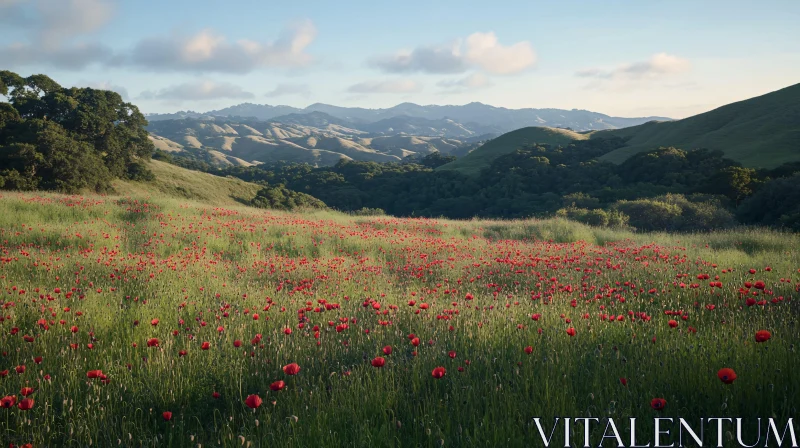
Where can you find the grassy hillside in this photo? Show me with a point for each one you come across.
(176, 324)
(179, 182)
(759, 132)
(473, 162)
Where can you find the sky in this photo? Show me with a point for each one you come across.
(631, 58)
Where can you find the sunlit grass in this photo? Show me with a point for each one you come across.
(188, 264)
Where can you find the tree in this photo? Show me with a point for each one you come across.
(734, 182)
(68, 139)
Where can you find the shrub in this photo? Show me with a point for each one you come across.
(595, 217)
(777, 203)
(281, 198)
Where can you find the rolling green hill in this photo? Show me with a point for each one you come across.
(507, 143)
(174, 181)
(761, 132)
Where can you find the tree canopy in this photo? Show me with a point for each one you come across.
(67, 139)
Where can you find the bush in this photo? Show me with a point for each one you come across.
(777, 203)
(281, 198)
(140, 173)
(366, 211)
(596, 217)
(676, 212)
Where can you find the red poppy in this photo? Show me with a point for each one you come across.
(8, 401)
(154, 322)
(92, 374)
(205, 346)
(167, 415)
(726, 375)
(37, 360)
(387, 350)
(152, 342)
(20, 369)
(415, 342)
(291, 369)
(216, 395)
(623, 381)
(277, 385)
(571, 331)
(673, 323)
(25, 391)
(529, 349)
(26, 404)
(253, 401)
(658, 403)
(763, 336)
(438, 372)
(237, 343)
(378, 362)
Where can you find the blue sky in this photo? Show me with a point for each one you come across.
(627, 58)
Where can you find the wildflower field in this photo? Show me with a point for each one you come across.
(156, 322)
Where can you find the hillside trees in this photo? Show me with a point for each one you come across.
(67, 139)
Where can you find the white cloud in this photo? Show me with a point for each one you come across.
(470, 82)
(55, 26)
(197, 91)
(64, 19)
(289, 89)
(209, 51)
(658, 65)
(391, 86)
(70, 57)
(479, 50)
(52, 30)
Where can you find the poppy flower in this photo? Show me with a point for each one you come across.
(167, 415)
(21, 369)
(378, 362)
(387, 350)
(25, 404)
(726, 375)
(253, 401)
(571, 331)
(291, 369)
(623, 381)
(237, 343)
(763, 336)
(154, 322)
(452, 354)
(529, 349)
(37, 360)
(8, 401)
(152, 342)
(673, 323)
(205, 346)
(658, 403)
(277, 385)
(415, 342)
(438, 372)
(92, 374)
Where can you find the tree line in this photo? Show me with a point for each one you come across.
(667, 188)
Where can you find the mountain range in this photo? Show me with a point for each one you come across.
(322, 134)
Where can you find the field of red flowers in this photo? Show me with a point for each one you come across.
(151, 322)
